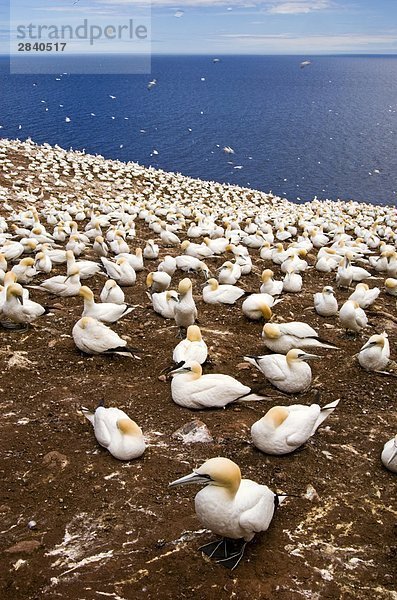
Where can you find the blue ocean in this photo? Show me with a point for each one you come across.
(327, 130)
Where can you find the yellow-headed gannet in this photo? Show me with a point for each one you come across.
(116, 432)
(364, 296)
(185, 309)
(283, 429)
(229, 273)
(213, 293)
(168, 265)
(158, 281)
(25, 270)
(18, 308)
(191, 389)
(325, 303)
(292, 282)
(151, 250)
(192, 348)
(282, 337)
(64, 286)
(352, 317)
(391, 286)
(375, 354)
(164, 303)
(258, 306)
(231, 507)
(121, 271)
(93, 337)
(107, 312)
(111, 292)
(269, 285)
(290, 373)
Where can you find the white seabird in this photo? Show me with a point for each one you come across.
(107, 312)
(325, 303)
(285, 428)
(282, 337)
(375, 354)
(116, 432)
(93, 337)
(389, 455)
(231, 507)
(192, 348)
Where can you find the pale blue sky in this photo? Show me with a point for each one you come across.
(239, 26)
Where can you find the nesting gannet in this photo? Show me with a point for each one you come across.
(63, 286)
(107, 312)
(116, 432)
(375, 354)
(285, 428)
(231, 507)
(352, 317)
(185, 313)
(213, 293)
(191, 389)
(25, 270)
(135, 260)
(292, 282)
(100, 247)
(111, 292)
(389, 455)
(282, 337)
(193, 348)
(87, 268)
(269, 285)
(290, 373)
(391, 286)
(364, 296)
(190, 264)
(258, 306)
(158, 281)
(93, 337)
(42, 263)
(168, 265)
(164, 303)
(229, 273)
(121, 271)
(151, 250)
(19, 309)
(199, 251)
(325, 303)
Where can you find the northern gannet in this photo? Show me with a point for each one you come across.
(231, 507)
(151, 250)
(158, 281)
(185, 309)
(285, 428)
(19, 309)
(325, 303)
(364, 296)
(116, 432)
(375, 354)
(193, 348)
(213, 293)
(121, 271)
(389, 455)
(107, 312)
(290, 373)
(391, 286)
(292, 282)
(111, 292)
(191, 389)
(258, 306)
(229, 273)
(64, 286)
(168, 265)
(282, 337)
(352, 317)
(269, 285)
(190, 264)
(25, 270)
(164, 303)
(93, 337)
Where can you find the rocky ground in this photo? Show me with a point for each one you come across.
(107, 529)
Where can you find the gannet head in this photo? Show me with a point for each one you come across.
(376, 340)
(15, 290)
(266, 275)
(276, 416)
(149, 279)
(27, 262)
(362, 286)
(138, 252)
(9, 278)
(266, 311)
(184, 286)
(110, 284)
(74, 270)
(193, 333)
(271, 331)
(194, 368)
(296, 354)
(185, 244)
(86, 293)
(86, 322)
(213, 284)
(219, 471)
(328, 290)
(69, 255)
(171, 295)
(391, 283)
(302, 252)
(99, 239)
(129, 427)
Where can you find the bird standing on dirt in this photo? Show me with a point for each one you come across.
(231, 507)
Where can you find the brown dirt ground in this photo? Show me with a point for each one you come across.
(340, 544)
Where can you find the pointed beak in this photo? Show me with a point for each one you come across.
(310, 356)
(393, 456)
(179, 369)
(192, 478)
(20, 300)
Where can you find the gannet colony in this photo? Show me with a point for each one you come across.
(159, 331)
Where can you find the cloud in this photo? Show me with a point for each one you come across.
(298, 7)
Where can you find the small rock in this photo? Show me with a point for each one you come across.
(32, 525)
(311, 493)
(162, 378)
(55, 460)
(26, 546)
(193, 432)
(243, 366)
